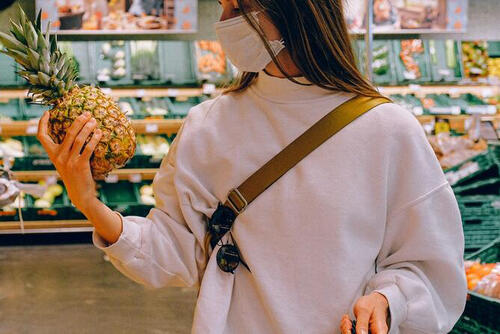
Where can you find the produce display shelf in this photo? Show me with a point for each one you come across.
(171, 126)
(47, 226)
(134, 175)
(126, 92)
(151, 126)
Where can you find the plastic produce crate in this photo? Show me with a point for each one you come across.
(475, 105)
(485, 187)
(480, 231)
(384, 71)
(107, 55)
(483, 310)
(120, 196)
(131, 108)
(36, 157)
(146, 158)
(16, 156)
(158, 107)
(142, 209)
(33, 110)
(467, 325)
(484, 206)
(8, 69)
(444, 60)
(181, 106)
(210, 63)
(11, 110)
(443, 104)
(479, 167)
(177, 63)
(145, 62)
(58, 211)
(417, 57)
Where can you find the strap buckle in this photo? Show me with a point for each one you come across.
(236, 200)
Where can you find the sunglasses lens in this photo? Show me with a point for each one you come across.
(228, 258)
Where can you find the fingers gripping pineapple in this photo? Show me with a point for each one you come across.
(51, 76)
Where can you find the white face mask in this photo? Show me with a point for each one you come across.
(243, 46)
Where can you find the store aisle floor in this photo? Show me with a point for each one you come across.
(72, 289)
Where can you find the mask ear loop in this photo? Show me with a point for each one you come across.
(253, 20)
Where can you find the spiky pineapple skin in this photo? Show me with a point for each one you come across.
(117, 144)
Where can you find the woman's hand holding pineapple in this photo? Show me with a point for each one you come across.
(72, 161)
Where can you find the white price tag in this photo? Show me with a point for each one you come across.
(414, 87)
(52, 179)
(31, 129)
(135, 178)
(172, 92)
(140, 93)
(208, 88)
(107, 91)
(151, 128)
(487, 92)
(112, 178)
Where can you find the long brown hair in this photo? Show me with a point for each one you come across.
(317, 38)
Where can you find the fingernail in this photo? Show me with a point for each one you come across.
(86, 114)
(93, 120)
(98, 132)
(364, 331)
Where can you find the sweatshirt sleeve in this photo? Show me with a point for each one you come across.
(160, 249)
(420, 264)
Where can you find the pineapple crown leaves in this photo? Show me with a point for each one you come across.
(49, 71)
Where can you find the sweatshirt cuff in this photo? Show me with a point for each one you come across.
(397, 306)
(125, 248)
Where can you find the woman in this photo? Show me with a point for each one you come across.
(364, 227)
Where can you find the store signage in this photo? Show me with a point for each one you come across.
(94, 17)
(393, 15)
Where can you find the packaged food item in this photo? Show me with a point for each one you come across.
(444, 60)
(145, 60)
(411, 61)
(382, 63)
(453, 150)
(483, 278)
(211, 62)
(475, 59)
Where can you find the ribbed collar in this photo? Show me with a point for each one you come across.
(282, 90)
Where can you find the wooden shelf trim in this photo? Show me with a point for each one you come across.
(118, 92)
(151, 126)
(122, 174)
(40, 224)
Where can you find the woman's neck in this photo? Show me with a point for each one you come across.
(288, 65)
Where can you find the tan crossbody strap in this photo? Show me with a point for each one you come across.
(239, 198)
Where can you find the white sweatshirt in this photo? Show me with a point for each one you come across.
(369, 210)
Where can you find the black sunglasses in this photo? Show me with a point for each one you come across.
(228, 255)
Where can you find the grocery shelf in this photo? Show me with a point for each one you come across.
(152, 126)
(13, 93)
(134, 175)
(453, 90)
(46, 226)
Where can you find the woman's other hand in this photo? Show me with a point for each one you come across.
(371, 315)
(73, 164)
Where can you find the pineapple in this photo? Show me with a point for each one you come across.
(51, 75)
